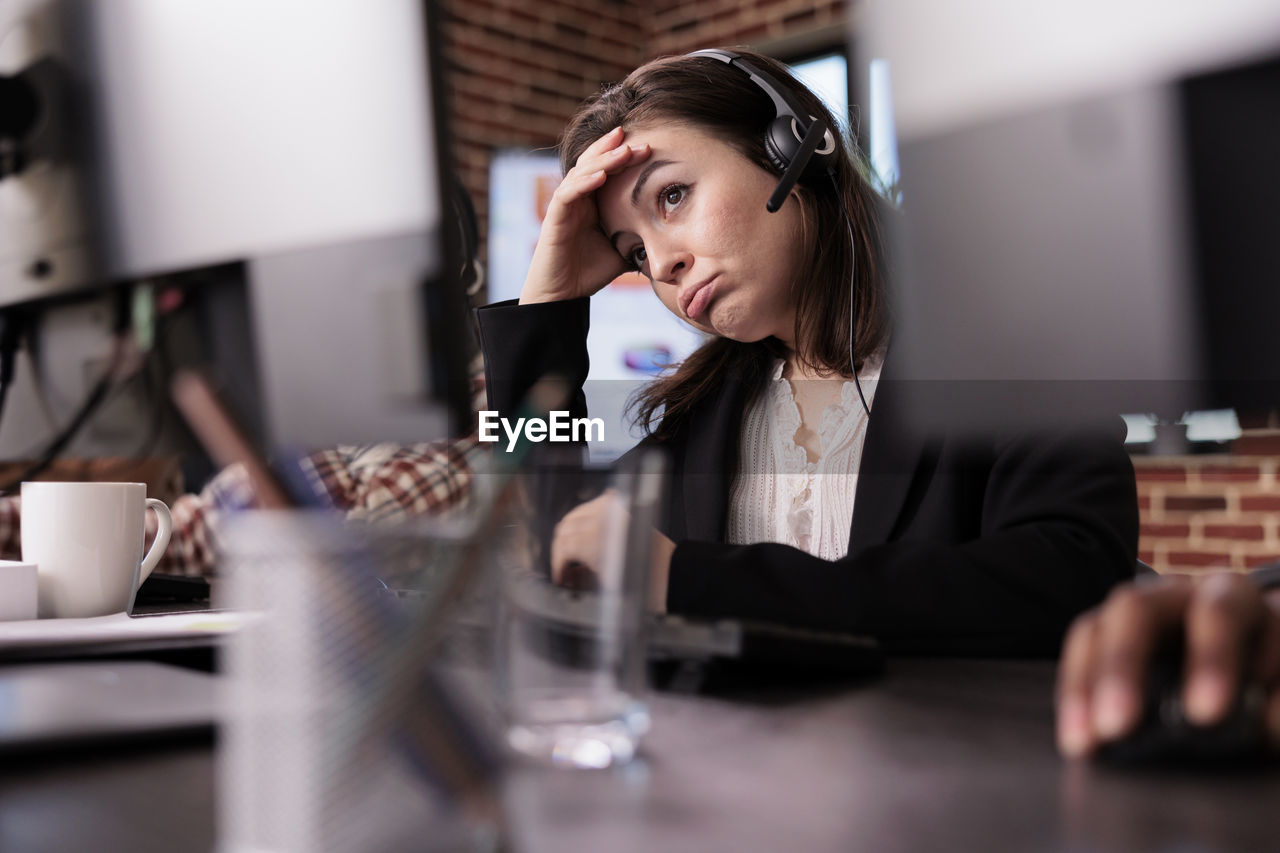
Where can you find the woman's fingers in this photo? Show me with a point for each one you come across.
(577, 544)
(573, 544)
(1222, 624)
(576, 540)
(590, 173)
(1103, 672)
(573, 258)
(614, 160)
(1273, 719)
(1232, 632)
(1075, 680)
(1267, 663)
(574, 186)
(609, 140)
(607, 148)
(1134, 622)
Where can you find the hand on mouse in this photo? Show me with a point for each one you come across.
(1232, 634)
(578, 543)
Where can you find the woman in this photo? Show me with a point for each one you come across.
(790, 501)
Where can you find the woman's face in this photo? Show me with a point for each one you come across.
(691, 217)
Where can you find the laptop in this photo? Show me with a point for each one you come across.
(559, 481)
(723, 643)
(73, 704)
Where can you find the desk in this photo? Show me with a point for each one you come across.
(938, 755)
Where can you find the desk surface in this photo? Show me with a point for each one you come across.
(937, 755)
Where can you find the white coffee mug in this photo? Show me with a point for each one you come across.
(86, 539)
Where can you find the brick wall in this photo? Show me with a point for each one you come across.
(679, 26)
(519, 68)
(1211, 511)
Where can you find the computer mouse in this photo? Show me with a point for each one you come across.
(1165, 737)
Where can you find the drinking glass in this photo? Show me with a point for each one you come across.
(571, 662)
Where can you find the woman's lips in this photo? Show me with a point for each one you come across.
(699, 298)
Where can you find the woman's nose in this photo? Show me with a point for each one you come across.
(667, 263)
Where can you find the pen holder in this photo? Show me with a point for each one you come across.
(334, 736)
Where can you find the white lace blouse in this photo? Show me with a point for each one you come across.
(778, 495)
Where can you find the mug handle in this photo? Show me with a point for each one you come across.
(163, 532)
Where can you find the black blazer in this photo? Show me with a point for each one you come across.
(956, 546)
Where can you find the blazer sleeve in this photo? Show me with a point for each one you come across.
(1057, 529)
(525, 343)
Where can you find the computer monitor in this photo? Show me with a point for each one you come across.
(296, 146)
(1088, 192)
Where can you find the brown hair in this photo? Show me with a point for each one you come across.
(709, 95)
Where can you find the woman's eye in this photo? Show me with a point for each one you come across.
(638, 257)
(672, 196)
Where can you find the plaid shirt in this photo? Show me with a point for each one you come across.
(379, 482)
(375, 482)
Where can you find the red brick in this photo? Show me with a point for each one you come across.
(1148, 557)
(800, 17)
(1263, 444)
(1230, 474)
(1200, 559)
(1180, 531)
(1257, 419)
(1249, 532)
(519, 69)
(1194, 503)
(1153, 474)
(1260, 503)
(1144, 502)
(1263, 560)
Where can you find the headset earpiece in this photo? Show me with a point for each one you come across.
(784, 138)
(796, 147)
(780, 143)
(783, 141)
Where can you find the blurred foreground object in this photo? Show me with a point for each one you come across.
(338, 736)
(1088, 209)
(150, 139)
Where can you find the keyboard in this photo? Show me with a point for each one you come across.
(673, 637)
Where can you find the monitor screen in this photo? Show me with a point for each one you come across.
(1082, 207)
(300, 144)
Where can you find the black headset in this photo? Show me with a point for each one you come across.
(795, 143)
(791, 143)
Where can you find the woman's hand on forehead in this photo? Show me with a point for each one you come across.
(573, 257)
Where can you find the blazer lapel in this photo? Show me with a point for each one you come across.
(711, 457)
(892, 458)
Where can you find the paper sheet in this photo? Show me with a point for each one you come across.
(118, 629)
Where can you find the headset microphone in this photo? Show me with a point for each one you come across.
(791, 143)
(795, 142)
(815, 133)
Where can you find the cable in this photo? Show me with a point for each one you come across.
(853, 278)
(35, 355)
(55, 448)
(91, 403)
(144, 376)
(154, 430)
(15, 324)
